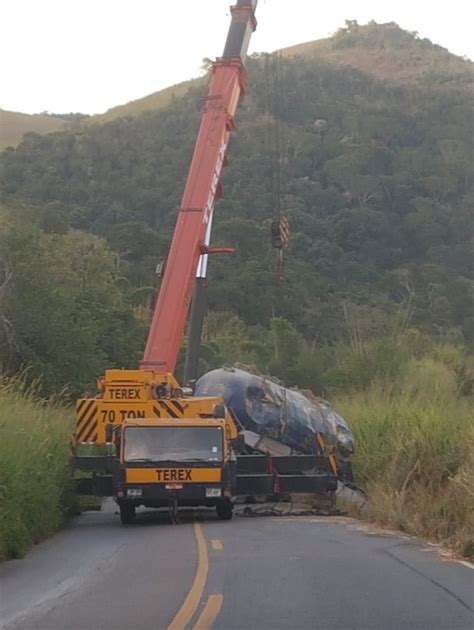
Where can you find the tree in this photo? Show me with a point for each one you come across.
(66, 318)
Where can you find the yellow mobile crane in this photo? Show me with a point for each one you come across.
(164, 446)
(161, 446)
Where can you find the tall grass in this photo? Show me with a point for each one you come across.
(35, 473)
(415, 453)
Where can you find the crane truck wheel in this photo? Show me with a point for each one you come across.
(127, 513)
(224, 510)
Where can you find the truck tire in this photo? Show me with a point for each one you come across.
(127, 513)
(224, 510)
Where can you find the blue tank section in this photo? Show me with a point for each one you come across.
(269, 409)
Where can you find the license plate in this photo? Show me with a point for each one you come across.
(174, 486)
(213, 492)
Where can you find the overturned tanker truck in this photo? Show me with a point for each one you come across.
(281, 422)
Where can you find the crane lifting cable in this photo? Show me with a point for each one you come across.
(277, 150)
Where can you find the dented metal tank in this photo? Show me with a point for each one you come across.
(290, 416)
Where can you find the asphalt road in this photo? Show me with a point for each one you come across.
(256, 573)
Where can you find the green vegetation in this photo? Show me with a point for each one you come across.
(415, 450)
(64, 316)
(378, 195)
(35, 473)
(375, 306)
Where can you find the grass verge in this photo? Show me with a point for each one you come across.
(35, 472)
(415, 454)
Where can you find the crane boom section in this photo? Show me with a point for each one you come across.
(202, 188)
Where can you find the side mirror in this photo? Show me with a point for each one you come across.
(240, 443)
(219, 411)
(112, 430)
(109, 432)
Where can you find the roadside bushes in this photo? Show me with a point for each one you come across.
(35, 472)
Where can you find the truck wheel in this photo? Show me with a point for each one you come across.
(224, 510)
(127, 513)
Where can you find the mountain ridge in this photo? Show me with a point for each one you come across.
(387, 52)
(375, 45)
(384, 51)
(14, 125)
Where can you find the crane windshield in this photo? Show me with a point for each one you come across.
(173, 445)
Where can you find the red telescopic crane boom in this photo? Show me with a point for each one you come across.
(202, 188)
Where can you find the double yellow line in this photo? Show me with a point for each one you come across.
(190, 604)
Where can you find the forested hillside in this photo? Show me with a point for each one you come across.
(377, 186)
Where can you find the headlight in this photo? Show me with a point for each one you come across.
(213, 492)
(134, 492)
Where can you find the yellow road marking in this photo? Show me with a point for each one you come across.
(191, 602)
(210, 612)
(216, 544)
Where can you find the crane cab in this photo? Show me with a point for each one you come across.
(186, 463)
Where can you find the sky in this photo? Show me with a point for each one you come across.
(89, 55)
